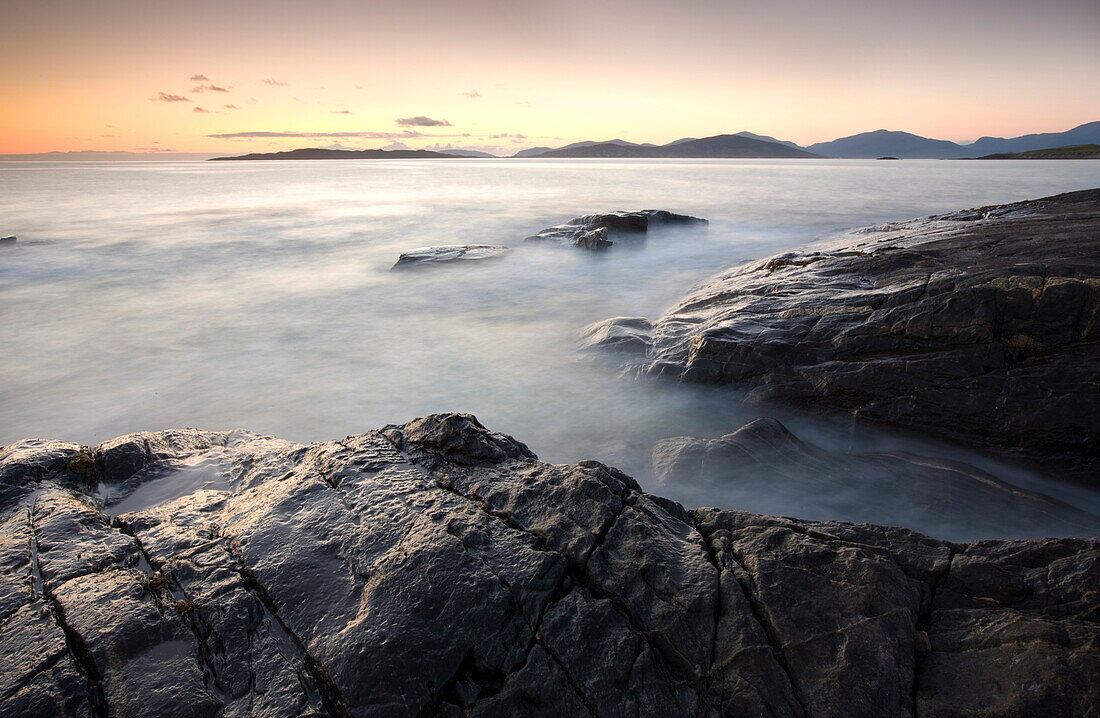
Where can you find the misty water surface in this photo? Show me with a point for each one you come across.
(217, 295)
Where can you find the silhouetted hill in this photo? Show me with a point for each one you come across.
(882, 143)
(717, 146)
(766, 138)
(315, 153)
(1072, 152)
(466, 153)
(1086, 134)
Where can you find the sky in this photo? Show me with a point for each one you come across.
(238, 76)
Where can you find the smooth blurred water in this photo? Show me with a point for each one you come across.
(217, 295)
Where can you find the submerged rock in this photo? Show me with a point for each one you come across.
(439, 568)
(594, 231)
(979, 326)
(443, 254)
(8, 240)
(764, 458)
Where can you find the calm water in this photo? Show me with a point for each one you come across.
(154, 295)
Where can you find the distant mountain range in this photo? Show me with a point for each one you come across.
(316, 153)
(866, 145)
(738, 145)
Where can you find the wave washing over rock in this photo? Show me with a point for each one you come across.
(980, 326)
(439, 568)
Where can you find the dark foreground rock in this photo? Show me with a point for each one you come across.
(951, 498)
(438, 568)
(597, 231)
(8, 240)
(445, 254)
(979, 326)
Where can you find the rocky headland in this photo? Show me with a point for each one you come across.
(981, 327)
(440, 568)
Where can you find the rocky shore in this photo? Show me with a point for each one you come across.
(440, 568)
(980, 327)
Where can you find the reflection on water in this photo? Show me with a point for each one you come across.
(147, 296)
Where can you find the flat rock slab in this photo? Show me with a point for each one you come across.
(979, 326)
(440, 568)
(449, 253)
(598, 231)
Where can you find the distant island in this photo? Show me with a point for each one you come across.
(1070, 152)
(316, 153)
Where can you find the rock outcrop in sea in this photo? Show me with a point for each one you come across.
(597, 231)
(981, 327)
(445, 254)
(440, 568)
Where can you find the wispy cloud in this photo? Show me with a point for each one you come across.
(275, 83)
(166, 97)
(472, 94)
(421, 121)
(230, 107)
(524, 104)
(200, 109)
(208, 88)
(507, 135)
(199, 78)
(342, 112)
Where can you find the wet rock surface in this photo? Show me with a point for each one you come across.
(439, 568)
(951, 499)
(445, 254)
(623, 336)
(979, 326)
(598, 231)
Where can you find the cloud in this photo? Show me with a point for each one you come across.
(421, 121)
(199, 78)
(506, 135)
(208, 88)
(525, 104)
(396, 146)
(230, 107)
(199, 109)
(166, 97)
(275, 83)
(108, 135)
(342, 112)
(472, 94)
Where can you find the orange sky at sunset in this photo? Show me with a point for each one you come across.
(82, 75)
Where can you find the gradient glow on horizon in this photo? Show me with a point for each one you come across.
(505, 75)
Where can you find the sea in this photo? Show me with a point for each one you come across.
(152, 295)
